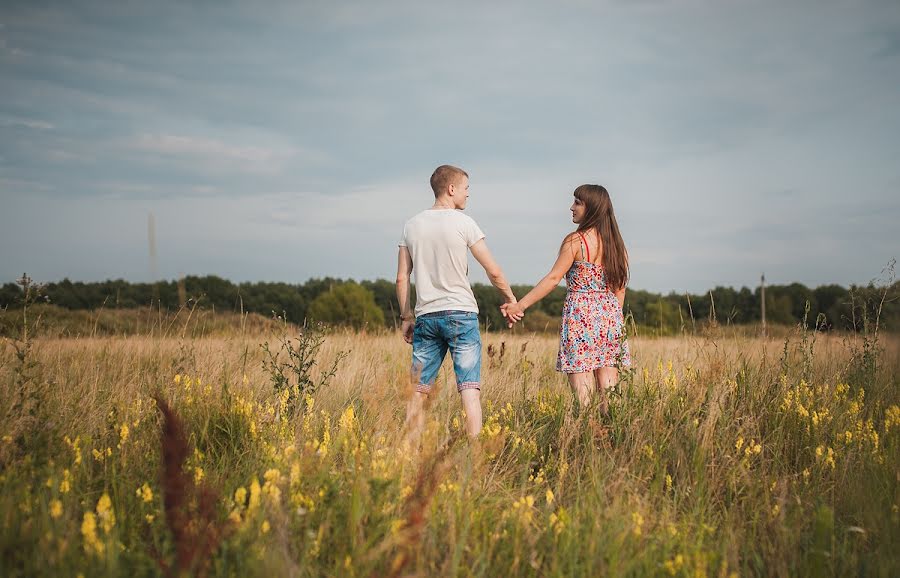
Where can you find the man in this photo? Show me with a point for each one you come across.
(435, 246)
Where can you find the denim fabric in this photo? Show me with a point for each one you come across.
(437, 332)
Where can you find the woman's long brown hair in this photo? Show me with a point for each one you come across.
(599, 215)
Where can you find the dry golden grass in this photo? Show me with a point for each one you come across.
(722, 455)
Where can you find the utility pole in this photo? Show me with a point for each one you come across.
(154, 266)
(762, 300)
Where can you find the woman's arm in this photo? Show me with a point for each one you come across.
(550, 281)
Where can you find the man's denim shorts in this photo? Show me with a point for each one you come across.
(437, 332)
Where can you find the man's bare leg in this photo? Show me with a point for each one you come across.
(471, 400)
(415, 417)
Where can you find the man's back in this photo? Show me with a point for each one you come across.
(438, 242)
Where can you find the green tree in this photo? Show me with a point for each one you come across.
(347, 304)
(10, 295)
(386, 298)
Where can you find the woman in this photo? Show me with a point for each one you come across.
(594, 261)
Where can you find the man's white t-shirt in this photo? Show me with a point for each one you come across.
(438, 241)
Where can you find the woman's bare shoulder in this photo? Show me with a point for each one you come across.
(572, 241)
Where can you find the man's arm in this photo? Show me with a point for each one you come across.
(404, 268)
(483, 255)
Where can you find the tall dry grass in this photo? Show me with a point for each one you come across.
(722, 455)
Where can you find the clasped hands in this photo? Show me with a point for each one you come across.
(512, 312)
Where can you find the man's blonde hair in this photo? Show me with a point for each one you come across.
(444, 176)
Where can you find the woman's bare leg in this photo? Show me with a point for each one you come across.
(582, 384)
(607, 378)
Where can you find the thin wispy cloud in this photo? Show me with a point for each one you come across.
(213, 154)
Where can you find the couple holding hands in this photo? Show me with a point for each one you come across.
(435, 245)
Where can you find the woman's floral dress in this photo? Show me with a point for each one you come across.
(592, 334)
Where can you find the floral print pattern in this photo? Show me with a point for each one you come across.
(592, 334)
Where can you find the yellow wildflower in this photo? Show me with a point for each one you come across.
(272, 475)
(288, 451)
(524, 508)
(558, 520)
(549, 496)
(240, 496)
(255, 491)
(674, 565)
(56, 509)
(891, 418)
(347, 419)
(64, 485)
(538, 477)
(123, 434)
(739, 443)
(829, 459)
(272, 490)
(198, 474)
(92, 545)
(638, 521)
(145, 493)
(264, 529)
(75, 446)
(105, 512)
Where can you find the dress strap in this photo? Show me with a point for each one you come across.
(587, 252)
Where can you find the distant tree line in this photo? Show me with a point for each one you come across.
(373, 303)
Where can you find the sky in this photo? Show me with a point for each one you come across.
(286, 140)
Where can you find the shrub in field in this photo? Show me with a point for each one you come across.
(293, 380)
(347, 304)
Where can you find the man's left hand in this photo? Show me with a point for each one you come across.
(406, 328)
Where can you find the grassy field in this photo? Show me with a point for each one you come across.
(722, 456)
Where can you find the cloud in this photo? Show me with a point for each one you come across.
(302, 130)
(215, 154)
(25, 123)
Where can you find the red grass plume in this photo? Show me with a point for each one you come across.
(196, 527)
